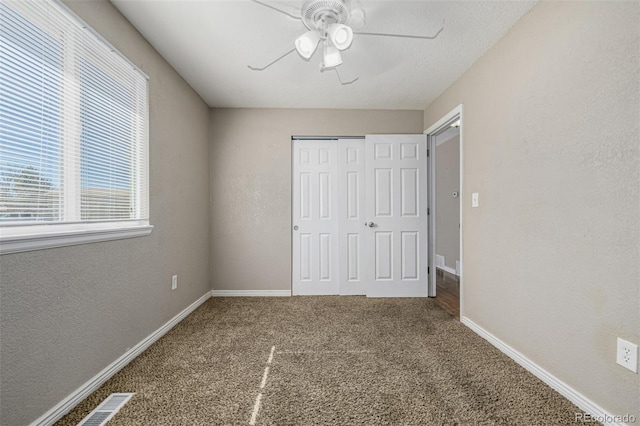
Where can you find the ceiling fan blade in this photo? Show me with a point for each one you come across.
(345, 83)
(272, 62)
(284, 12)
(402, 35)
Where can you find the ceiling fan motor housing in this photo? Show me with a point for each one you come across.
(317, 13)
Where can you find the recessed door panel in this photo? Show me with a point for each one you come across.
(409, 192)
(384, 255)
(325, 196)
(353, 257)
(410, 255)
(325, 257)
(303, 156)
(324, 154)
(305, 195)
(353, 154)
(383, 192)
(305, 257)
(383, 151)
(353, 195)
(409, 151)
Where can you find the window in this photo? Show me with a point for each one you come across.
(73, 133)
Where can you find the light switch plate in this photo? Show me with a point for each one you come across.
(174, 282)
(475, 200)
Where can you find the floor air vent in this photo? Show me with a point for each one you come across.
(107, 409)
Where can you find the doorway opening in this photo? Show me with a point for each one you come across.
(445, 220)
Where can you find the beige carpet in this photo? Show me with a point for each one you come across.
(337, 361)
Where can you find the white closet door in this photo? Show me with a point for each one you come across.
(351, 207)
(396, 213)
(315, 218)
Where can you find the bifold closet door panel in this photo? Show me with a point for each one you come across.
(315, 217)
(396, 215)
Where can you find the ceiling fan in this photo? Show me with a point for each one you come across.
(330, 23)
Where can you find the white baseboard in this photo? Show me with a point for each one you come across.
(558, 385)
(448, 269)
(67, 404)
(251, 293)
(440, 264)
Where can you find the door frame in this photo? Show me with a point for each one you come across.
(431, 132)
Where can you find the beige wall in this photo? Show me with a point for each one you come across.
(551, 135)
(251, 185)
(447, 206)
(67, 313)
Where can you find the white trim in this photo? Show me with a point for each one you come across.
(67, 404)
(81, 23)
(558, 385)
(251, 293)
(432, 259)
(68, 236)
(450, 138)
(447, 269)
(446, 118)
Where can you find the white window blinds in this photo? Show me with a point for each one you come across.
(73, 122)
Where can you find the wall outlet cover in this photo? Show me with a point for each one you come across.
(627, 355)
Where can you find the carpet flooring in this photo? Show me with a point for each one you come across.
(326, 361)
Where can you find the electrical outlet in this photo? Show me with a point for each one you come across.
(627, 355)
(174, 282)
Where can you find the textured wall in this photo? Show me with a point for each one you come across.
(448, 207)
(251, 185)
(551, 135)
(67, 313)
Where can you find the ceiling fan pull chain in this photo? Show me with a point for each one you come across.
(272, 62)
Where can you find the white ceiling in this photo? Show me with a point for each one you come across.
(210, 43)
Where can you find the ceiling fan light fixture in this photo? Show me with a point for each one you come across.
(313, 12)
(331, 56)
(307, 43)
(341, 35)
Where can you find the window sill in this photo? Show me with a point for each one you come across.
(68, 235)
